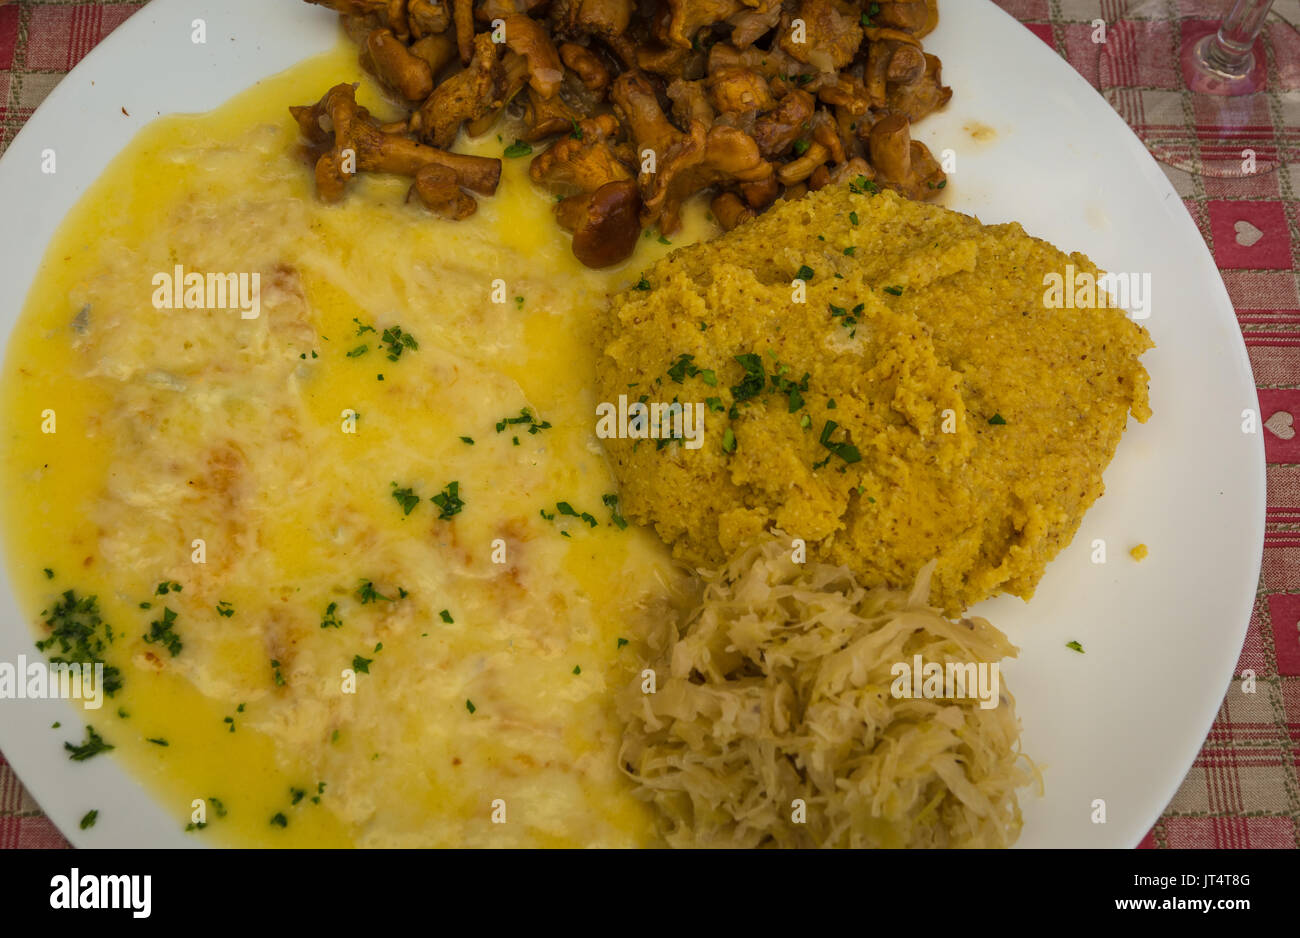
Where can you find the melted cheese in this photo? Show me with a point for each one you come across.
(175, 425)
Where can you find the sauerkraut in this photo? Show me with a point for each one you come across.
(772, 722)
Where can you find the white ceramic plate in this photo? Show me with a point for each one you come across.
(1121, 723)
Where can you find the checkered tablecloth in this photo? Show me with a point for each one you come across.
(1242, 790)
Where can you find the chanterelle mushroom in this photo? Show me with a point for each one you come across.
(605, 223)
(902, 163)
(350, 142)
(739, 90)
(831, 35)
(685, 18)
(467, 95)
(397, 67)
(916, 99)
(581, 164)
(529, 38)
(637, 105)
(606, 20)
(695, 161)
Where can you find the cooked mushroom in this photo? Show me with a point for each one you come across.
(350, 142)
(584, 63)
(776, 131)
(514, 71)
(397, 67)
(462, 14)
(637, 105)
(491, 10)
(769, 99)
(921, 97)
(917, 17)
(730, 210)
(605, 223)
(427, 18)
(689, 102)
(685, 18)
(696, 161)
(606, 20)
(831, 35)
(581, 164)
(437, 51)
(902, 163)
(436, 186)
(467, 95)
(528, 38)
(750, 25)
(739, 90)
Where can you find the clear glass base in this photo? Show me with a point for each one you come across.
(1221, 126)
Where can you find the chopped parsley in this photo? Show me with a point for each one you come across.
(846, 451)
(517, 149)
(467, 440)
(642, 284)
(611, 502)
(1075, 646)
(861, 184)
(998, 420)
(93, 746)
(361, 665)
(366, 593)
(526, 418)
(162, 631)
(804, 273)
(331, 620)
(801, 146)
(469, 705)
(752, 384)
(82, 635)
(448, 501)
(168, 586)
(620, 643)
(577, 669)
(225, 609)
(279, 820)
(157, 741)
(359, 351)
(397, 341)
(49, 574)
(853, 217)
(894, 291)
(88, 820)
(406, 498)
(683, 368)
(445, 615)
(728, 440)
(850, 251)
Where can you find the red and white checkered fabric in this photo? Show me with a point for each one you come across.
(1242, 791)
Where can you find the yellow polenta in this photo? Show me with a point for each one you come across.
(882, 379)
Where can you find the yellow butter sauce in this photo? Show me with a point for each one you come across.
(181, 425)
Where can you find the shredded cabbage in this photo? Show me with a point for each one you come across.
(777, 690)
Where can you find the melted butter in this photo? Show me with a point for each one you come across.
(250, 456)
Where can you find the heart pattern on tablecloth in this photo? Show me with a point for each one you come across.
(1247, 234)
(1281, 425)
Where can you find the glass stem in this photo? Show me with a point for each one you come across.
(1230, 51)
